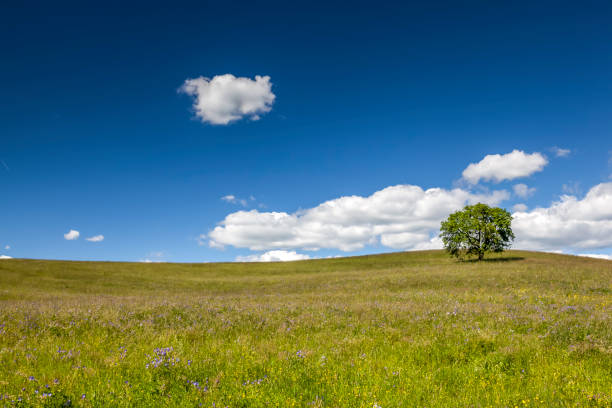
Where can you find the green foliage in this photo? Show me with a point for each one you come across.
(476, 230)
(396, 330)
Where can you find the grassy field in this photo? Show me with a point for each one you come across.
(396, 330)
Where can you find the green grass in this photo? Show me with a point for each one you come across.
(395, 330)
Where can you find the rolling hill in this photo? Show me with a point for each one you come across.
(392, 330)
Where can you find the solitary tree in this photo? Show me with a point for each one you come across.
(476, 230)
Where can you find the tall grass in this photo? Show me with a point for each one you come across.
(397, 330)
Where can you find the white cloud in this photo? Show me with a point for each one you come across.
(7, 247)
(559, 152)
(5, 257)
(72, 235)
(226, 98)
(597, 256)
(523, 191)
(569, 223)
(434, 243)
(401, 217)
(230, 198)
(273, 256)
(520, 207)
(147, 260)
(508, 166)
(95, 238)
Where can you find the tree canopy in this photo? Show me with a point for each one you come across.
(476, 230)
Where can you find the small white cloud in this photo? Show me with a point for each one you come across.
(230, 198)
(226, 98)
(497, 167)
(7, 247)
(273, 256)
(523, 191)
(95, 238)
(5, 257)
(147, 260)
(559, 152)
(72, 235)
(598, 256)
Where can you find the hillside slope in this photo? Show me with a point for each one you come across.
(402, 329)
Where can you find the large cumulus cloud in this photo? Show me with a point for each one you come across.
(569, 223)
(401, 217)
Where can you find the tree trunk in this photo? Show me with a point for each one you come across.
(480, 256)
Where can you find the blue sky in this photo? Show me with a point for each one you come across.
(99, 133)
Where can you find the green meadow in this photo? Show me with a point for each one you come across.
(415, 329)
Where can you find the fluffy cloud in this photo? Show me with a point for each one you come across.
(523, 191)
(95, 238)
(273, 256)
(559, 152)
(72, 235)
(498, 167)
(7, 247)
(5, 257)
(569, 223)
(226, 98)
(401, 217)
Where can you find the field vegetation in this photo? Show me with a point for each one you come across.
(414, 329)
